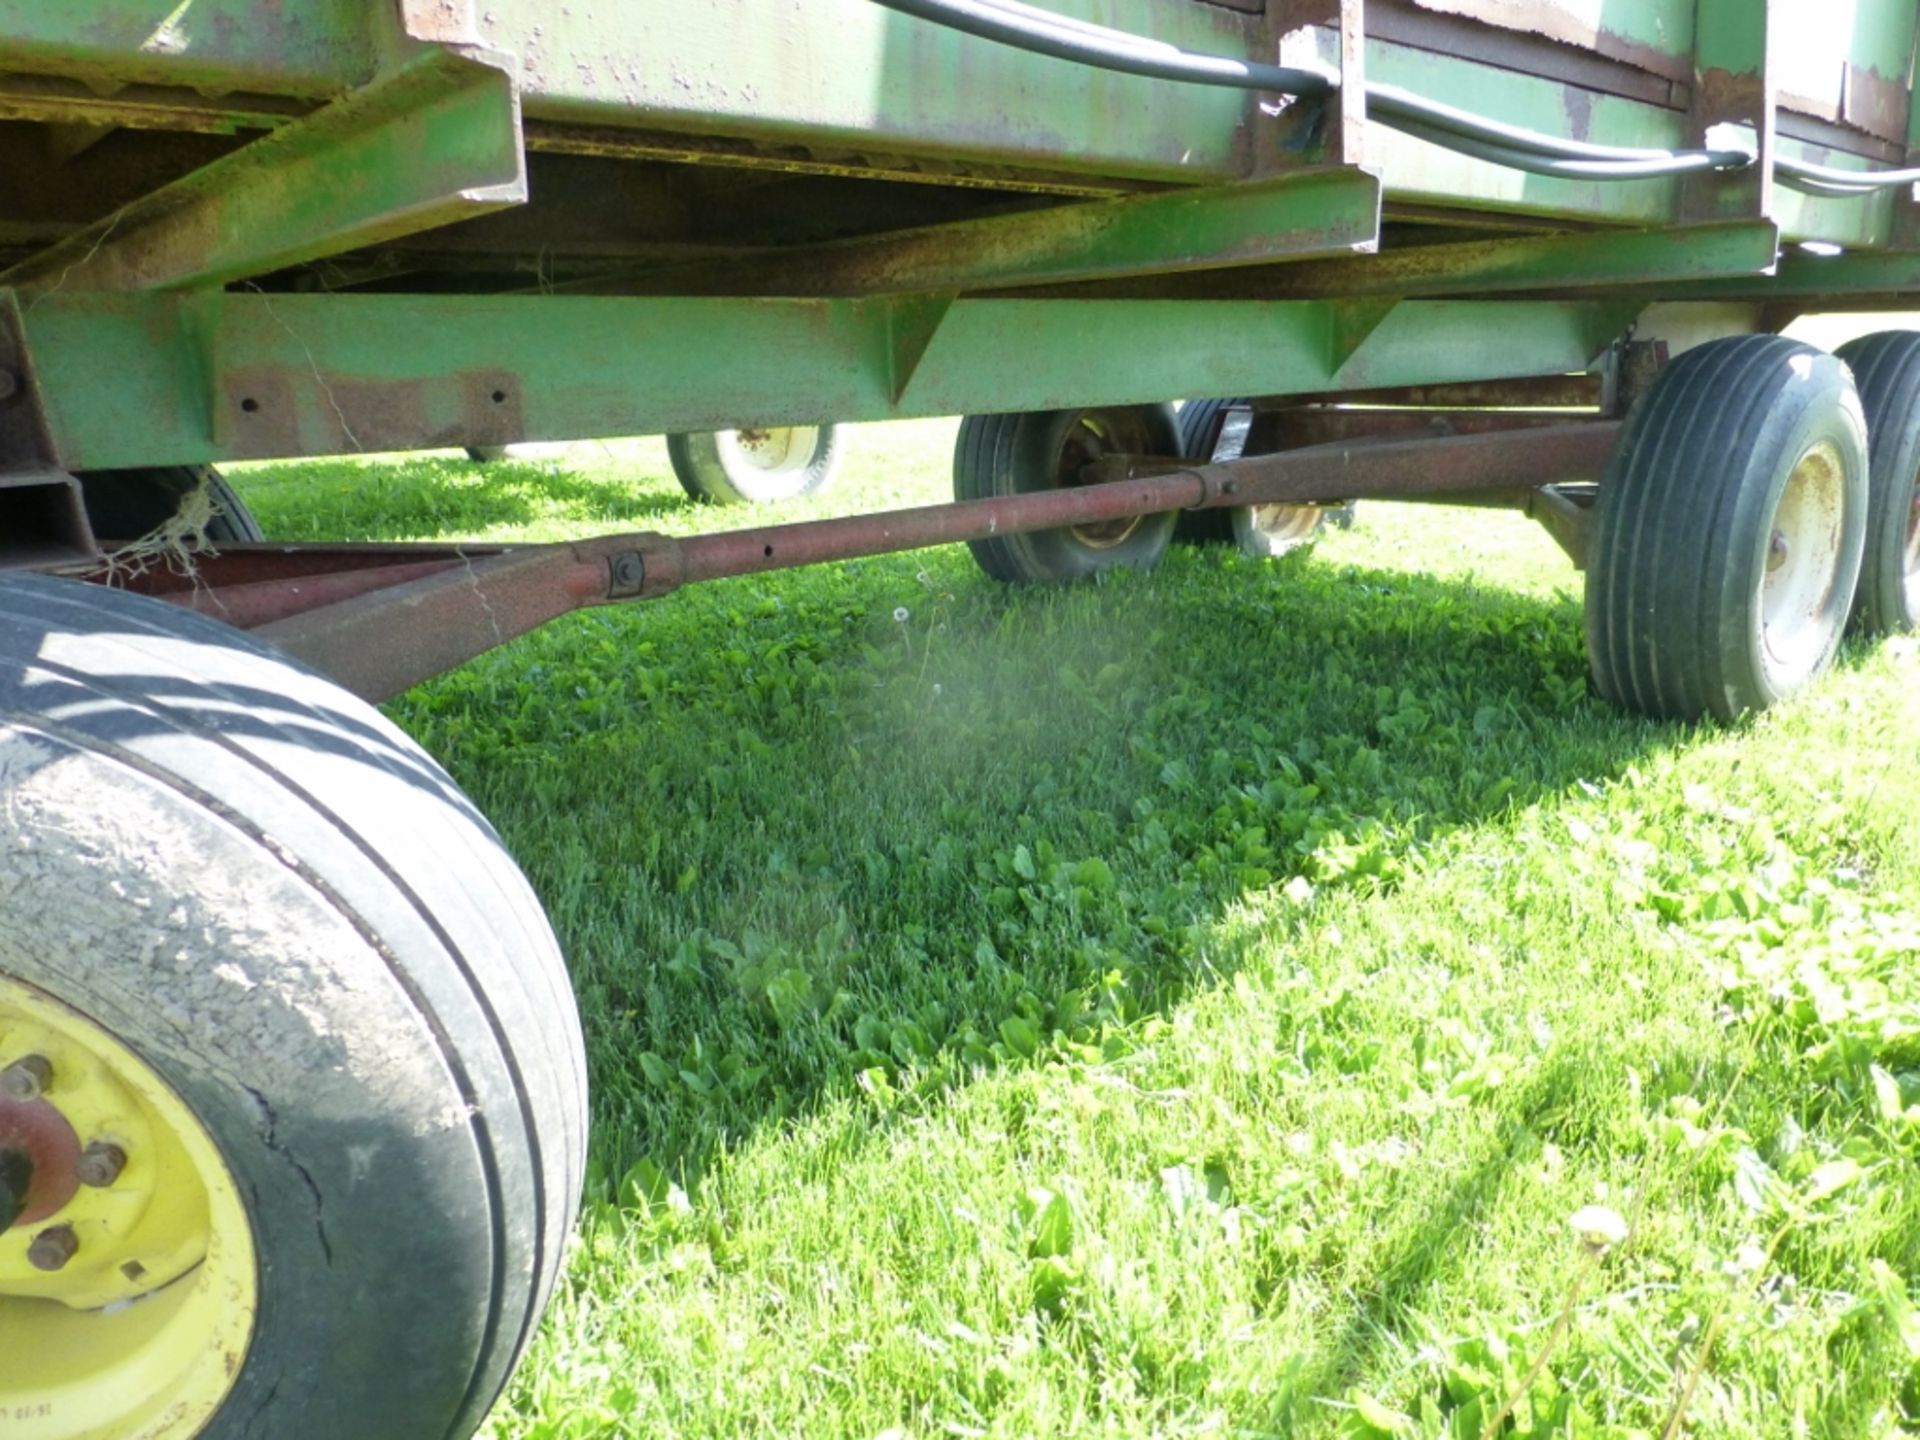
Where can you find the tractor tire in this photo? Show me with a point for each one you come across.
(351, 1078)
(1728, 532)
(1886, 370)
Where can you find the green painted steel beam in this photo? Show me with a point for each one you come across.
(238, 376)
(1892, 274)
(1587, 260)
(433, 142)
(1311, 212)
(312, 49)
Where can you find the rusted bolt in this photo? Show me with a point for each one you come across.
(629, 573)
(9, 384)
(27, 1078)
(100, 1164)
(52, 1249)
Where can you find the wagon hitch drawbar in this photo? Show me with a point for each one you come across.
(382, 618)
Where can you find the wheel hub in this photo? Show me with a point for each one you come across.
(1096, 434)
(127, 1275)
(777, 450)
(1799, 612)
(42, 1151)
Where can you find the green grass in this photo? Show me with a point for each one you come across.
(1190, 1004)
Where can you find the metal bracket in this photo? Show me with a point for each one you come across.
(1733, 101)
(1299, 34)
(26, 443)
(43, 518)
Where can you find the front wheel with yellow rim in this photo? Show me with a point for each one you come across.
(292, 1106)
(1016, 454)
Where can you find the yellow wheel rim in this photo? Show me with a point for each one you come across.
(138, 1331)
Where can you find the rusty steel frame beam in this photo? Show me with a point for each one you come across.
(1300, 214)
(434, 141)
(1553, 263)
(1583, 390)
(380, 619)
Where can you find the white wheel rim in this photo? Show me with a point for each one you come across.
(778, 450)
(1094, 434)
(1913, 556)
(1800, 613)
(1277, 529)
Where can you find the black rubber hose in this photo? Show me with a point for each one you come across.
(1043, 32)
(1652, 166)
(1027, 27)
(1391, 106)
(1109, 50)
(1826, 180)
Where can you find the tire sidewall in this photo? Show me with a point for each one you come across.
(1886, 368)
(347, 1303)
(299, 921)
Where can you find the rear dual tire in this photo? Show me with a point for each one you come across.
(1001, 455)
(1886, 369)
(1259, 531)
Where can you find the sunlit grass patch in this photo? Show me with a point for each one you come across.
(1193, 1003)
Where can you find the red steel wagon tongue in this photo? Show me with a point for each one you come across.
(263, 967)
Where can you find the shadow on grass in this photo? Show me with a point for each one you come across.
(787, 841)
(442, 498)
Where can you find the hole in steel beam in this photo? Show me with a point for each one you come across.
(769, 552)
(249, 404)
(499, 397)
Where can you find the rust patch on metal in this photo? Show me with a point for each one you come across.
(1875, 103)
(38, 1130)
(1560, 22)
(1330, 425)
(1740, 95)
(266, 411)
(1563, 392)
(1578, 107)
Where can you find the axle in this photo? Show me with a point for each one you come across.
(381, 619)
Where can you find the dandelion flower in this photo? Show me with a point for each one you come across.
(1598, 1227)
(899, 614)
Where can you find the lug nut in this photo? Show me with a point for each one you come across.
(52, 1249)
(100, 1164)
(28, 1078)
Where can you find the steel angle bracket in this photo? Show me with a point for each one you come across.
(434, 140)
